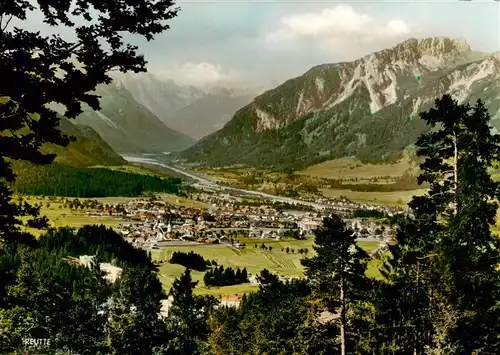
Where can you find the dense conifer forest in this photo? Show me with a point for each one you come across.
(190, 260)
(94, 240)
(440, 286)
(67, 181)
(440, 291)
(220, 276)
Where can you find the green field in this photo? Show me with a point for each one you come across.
(348, 168)
(60, 217)
(254, 259)
(391, 198)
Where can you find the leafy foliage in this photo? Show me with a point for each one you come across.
(38, 70)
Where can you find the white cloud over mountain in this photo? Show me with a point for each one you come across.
(338, 24)
(230, 41)
(198, 74)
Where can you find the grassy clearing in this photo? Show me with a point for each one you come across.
(393, 198)
(60, 216)
(348, 168)
(254, 259)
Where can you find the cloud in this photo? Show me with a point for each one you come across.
(337, 25)
(198, 74)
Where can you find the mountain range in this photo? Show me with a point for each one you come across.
(88, 149)
(162, 97)
(186, 109)
(367, 108)
(210, 112)
(127, 126)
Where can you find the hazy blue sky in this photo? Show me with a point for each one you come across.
(260, 41)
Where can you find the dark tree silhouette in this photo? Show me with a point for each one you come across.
(338, 272)
(38, 70)
(443, 290)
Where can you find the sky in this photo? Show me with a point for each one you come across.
(255, 42)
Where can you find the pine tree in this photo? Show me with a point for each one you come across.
(442, 276)
(135, 322)
(207, 278)
(188, 316)
(459, 152)
(337, 271)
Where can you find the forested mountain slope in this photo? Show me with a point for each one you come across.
(127, 126)
(89, 149)
(367, 108)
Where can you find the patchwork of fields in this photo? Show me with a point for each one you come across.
(254, 259)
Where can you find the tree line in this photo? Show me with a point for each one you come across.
(220, 276)
(440, 291)
(189, 260)
(108, 245)
(67, 181)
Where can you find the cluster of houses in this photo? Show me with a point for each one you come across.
(146, 222)
(153, 220)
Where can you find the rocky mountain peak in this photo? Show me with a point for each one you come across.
(222, 91)
(366, 108)
(435, 45)
(431, 53)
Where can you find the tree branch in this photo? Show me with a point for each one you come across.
(7, 23)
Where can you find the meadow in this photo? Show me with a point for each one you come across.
(349, 168)
(252, 258)
(389, 198)
(60, 216)
(390, 184)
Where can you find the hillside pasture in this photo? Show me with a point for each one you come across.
(390, 198)
(254, 259)
(349, 168)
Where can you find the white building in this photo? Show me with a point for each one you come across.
(307, 226)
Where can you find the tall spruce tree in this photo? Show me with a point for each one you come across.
(460, 150)
(443, 273)
(188, 317)
(337, 272)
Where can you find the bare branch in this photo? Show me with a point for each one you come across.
(6, 24)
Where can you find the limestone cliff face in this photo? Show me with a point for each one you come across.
(366, 108)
